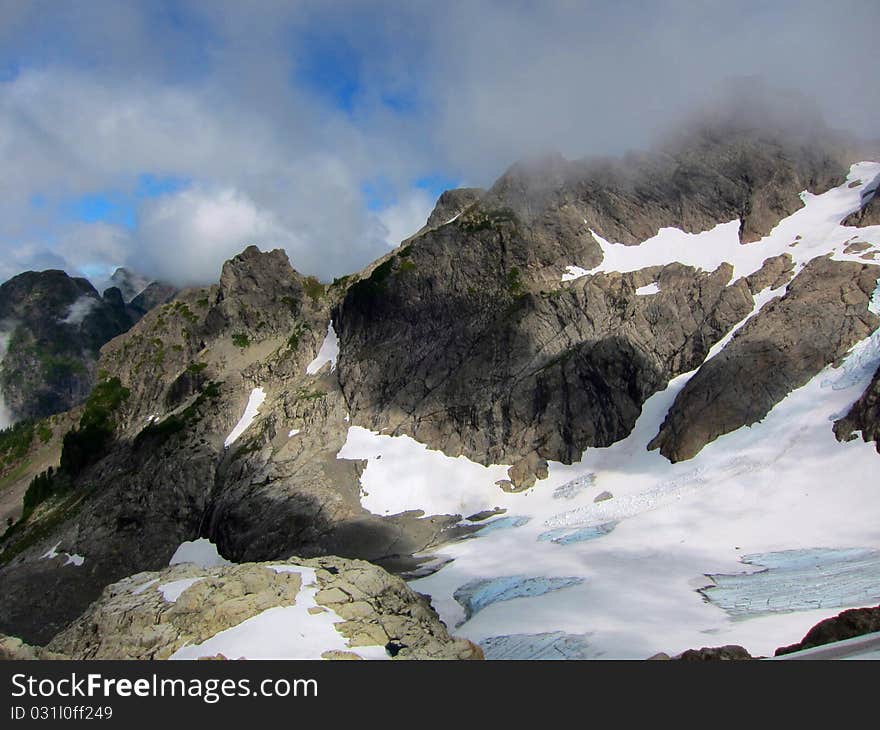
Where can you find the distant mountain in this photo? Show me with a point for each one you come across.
(603, 408)
(54, 326)
(129, 283)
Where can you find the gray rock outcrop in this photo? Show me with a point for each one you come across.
(134, 618)
(769, 357)
(775, 272)
(452, 203)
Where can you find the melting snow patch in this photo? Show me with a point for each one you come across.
(72, 559)
(648, 289)
(799, 580)
(173, 590)
(143, 586)
(255, 400)
(202, 552)
(573, 272)
(861, 363)
(292, 432)
(283, 632)
(403, 474)
(329, 352)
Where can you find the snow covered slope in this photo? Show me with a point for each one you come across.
(606, 557)
(812, 231)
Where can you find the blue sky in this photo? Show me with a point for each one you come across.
(167, 135)
(116, 206)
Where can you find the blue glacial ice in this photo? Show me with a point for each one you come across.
(799, 580)
(475, 595)
(503, 523)
(569, 535)
(551, 645)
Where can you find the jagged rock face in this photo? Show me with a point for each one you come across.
(770, 356)
(451, 346)
(151, 491)
(277, 495)
(451, 203)
(269, 494)
(864, 416)
(203, 332)
(467, 340)
(151, 297)
(57, 324)
(846, 625)
(775, 272)
(137, 618)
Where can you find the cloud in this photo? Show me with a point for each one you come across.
(5, 414)
(79, 310)
(187, 235)
(277, 114)
(406, 216)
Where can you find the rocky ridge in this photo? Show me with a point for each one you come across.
(134, 618)
(156, 470)
(160, 615)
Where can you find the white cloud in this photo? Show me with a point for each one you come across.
(81, 245)
(406, 216)
(186, 237)
(5, 414)
(79, 310)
